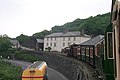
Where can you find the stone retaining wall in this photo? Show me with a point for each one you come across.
(71, 68)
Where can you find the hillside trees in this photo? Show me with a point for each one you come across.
(4, 44)
(41, 34)
(92, 25)
(27, 41)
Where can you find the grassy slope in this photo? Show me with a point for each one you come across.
(9, 71)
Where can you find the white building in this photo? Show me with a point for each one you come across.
(58, 41)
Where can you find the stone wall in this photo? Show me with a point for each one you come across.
(71, 68)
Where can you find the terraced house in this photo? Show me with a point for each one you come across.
(58, 41)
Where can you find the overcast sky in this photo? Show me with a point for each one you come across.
(31, 16)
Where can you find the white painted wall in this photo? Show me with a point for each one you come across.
(59, 42)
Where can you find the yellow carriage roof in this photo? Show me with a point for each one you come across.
(36, 65)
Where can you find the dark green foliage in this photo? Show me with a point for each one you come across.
(27, 41)
(41, 34)
(22, 38)
(4, 44)
(92, 25)
(25, 56)
(57, 29)
(9, 72)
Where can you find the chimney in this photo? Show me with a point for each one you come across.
(65, 31)
(82, 32)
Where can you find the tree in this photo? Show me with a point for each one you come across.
(41, 34)
(49, 48)
(4, 44)
(93, 25)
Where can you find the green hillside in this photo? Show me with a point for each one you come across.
(9, 71)
(92, 25)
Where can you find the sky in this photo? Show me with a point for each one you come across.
(31, 16)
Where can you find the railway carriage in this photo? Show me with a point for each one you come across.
(112, 44)
(36, 71)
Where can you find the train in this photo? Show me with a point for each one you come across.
(36, 71)
(104, 54)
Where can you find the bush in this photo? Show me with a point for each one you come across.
(10, 52)
(23, 55)
(9, 71)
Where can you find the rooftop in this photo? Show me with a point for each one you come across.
(14, 42)
(93, 41)
(40, 41)
(67, 34)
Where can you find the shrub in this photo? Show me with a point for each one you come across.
(9, 71)
(23, 55)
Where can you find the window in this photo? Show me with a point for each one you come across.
(47, 44)
(74, 38)
(54, 44)
(51, 38)
(63, 44)
(68, 43)
(50, 44)
(63, 38)
(68, 38)
(55, 38)
(109, 45)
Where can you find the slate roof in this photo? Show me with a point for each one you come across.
(67, 34)
(40, 41)
(14, 42)
(92, 41)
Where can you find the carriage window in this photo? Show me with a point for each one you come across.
(115, 13)
(115, 55)
(109, 45)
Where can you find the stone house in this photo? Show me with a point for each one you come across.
(40, 44)
(58, 41)
(15, 44)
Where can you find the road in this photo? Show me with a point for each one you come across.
(52, 74)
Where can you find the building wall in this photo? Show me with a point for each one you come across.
(117, 40)
(59, 43)
(116, 29)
